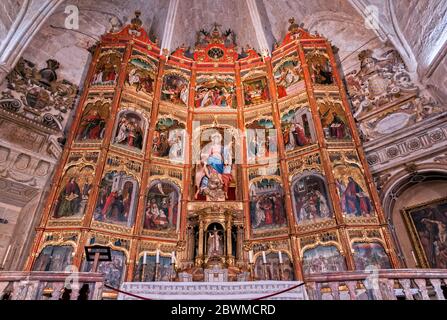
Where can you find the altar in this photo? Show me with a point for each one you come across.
(247, 290)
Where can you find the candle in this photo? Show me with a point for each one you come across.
(280, 256)
(173, 257)
(145, 258)
(157, 257)
(6, 255)
(250, 256)
(414, 258)
(264, 260)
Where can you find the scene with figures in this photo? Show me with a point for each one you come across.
(428, 230)
(169, 139)
(162, 206)
(261, 140)
(297, 128)
(214, 172)
(319, 66)
(107, 68)
(141, 73)
(54, 258)
(93, 121)
(256, 91)
(154, 268)
(130, 130)
(288, 75)
(310, 198)
(323, 258)
(113, 271)
(116, 199)
(334, 122)
(267, 205)
(175, 88)
(74, 193)
(215, 90)
(369, 255)
(273, 266)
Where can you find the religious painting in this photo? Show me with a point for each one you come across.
(107, 68)
(93, 121)
(130, 130)
(261, 140)
(117, 199)
(113, 271)
(147, 272)
(54, 258)
(323, 258)
(297, 128)
(310, 198)
(175, 88)
(169, 139)
(333, 120)
(353, 192)
(256, 91)
(214, 172)
(217, 90)
(288, 75)
(162, 206)
(319, 66)
(274, 268)
(427, 224)
(267, 205)
(74, 192)
(141, 73)
(367, 254)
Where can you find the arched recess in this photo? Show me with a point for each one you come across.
(406, 190)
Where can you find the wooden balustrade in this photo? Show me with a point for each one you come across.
(405, 284)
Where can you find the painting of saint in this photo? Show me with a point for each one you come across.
(428, 229)
(368, 254)
(165, 269)
(74, 192)
(113, 271)
(323, 259)
(129, 130)
(107, 68)
(215, 91)
(354, 200)
(93, 121)
(175, 89)
(319, 67)
(141, 74)
(297, 128)
(169, 139)
(261, 140)
(288, 73)
(116, 199)
(256, 91)
(267, 205)
(334, 121)
(214, 173)
(162, 206)
(310, 199)
(54, 258)
(274, 270)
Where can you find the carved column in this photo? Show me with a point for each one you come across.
(200, 254)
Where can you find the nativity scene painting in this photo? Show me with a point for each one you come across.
(310, 198)
(256, 91)
(297, 128)
(74, 192)
(216, 90)
(141, 74)
(261, 140)
(277, 266)
(54, 258)
(93, 121)
(169, 139)
(288, 75)
(117, 199)
(319, 66)
(323, 258)
(370, 255)
(333, 120)
(130, 130)
(107, 68)
(214, 172)
(267, 205)
(175, 88)
(162, 206)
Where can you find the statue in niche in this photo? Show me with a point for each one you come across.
(215, 243)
